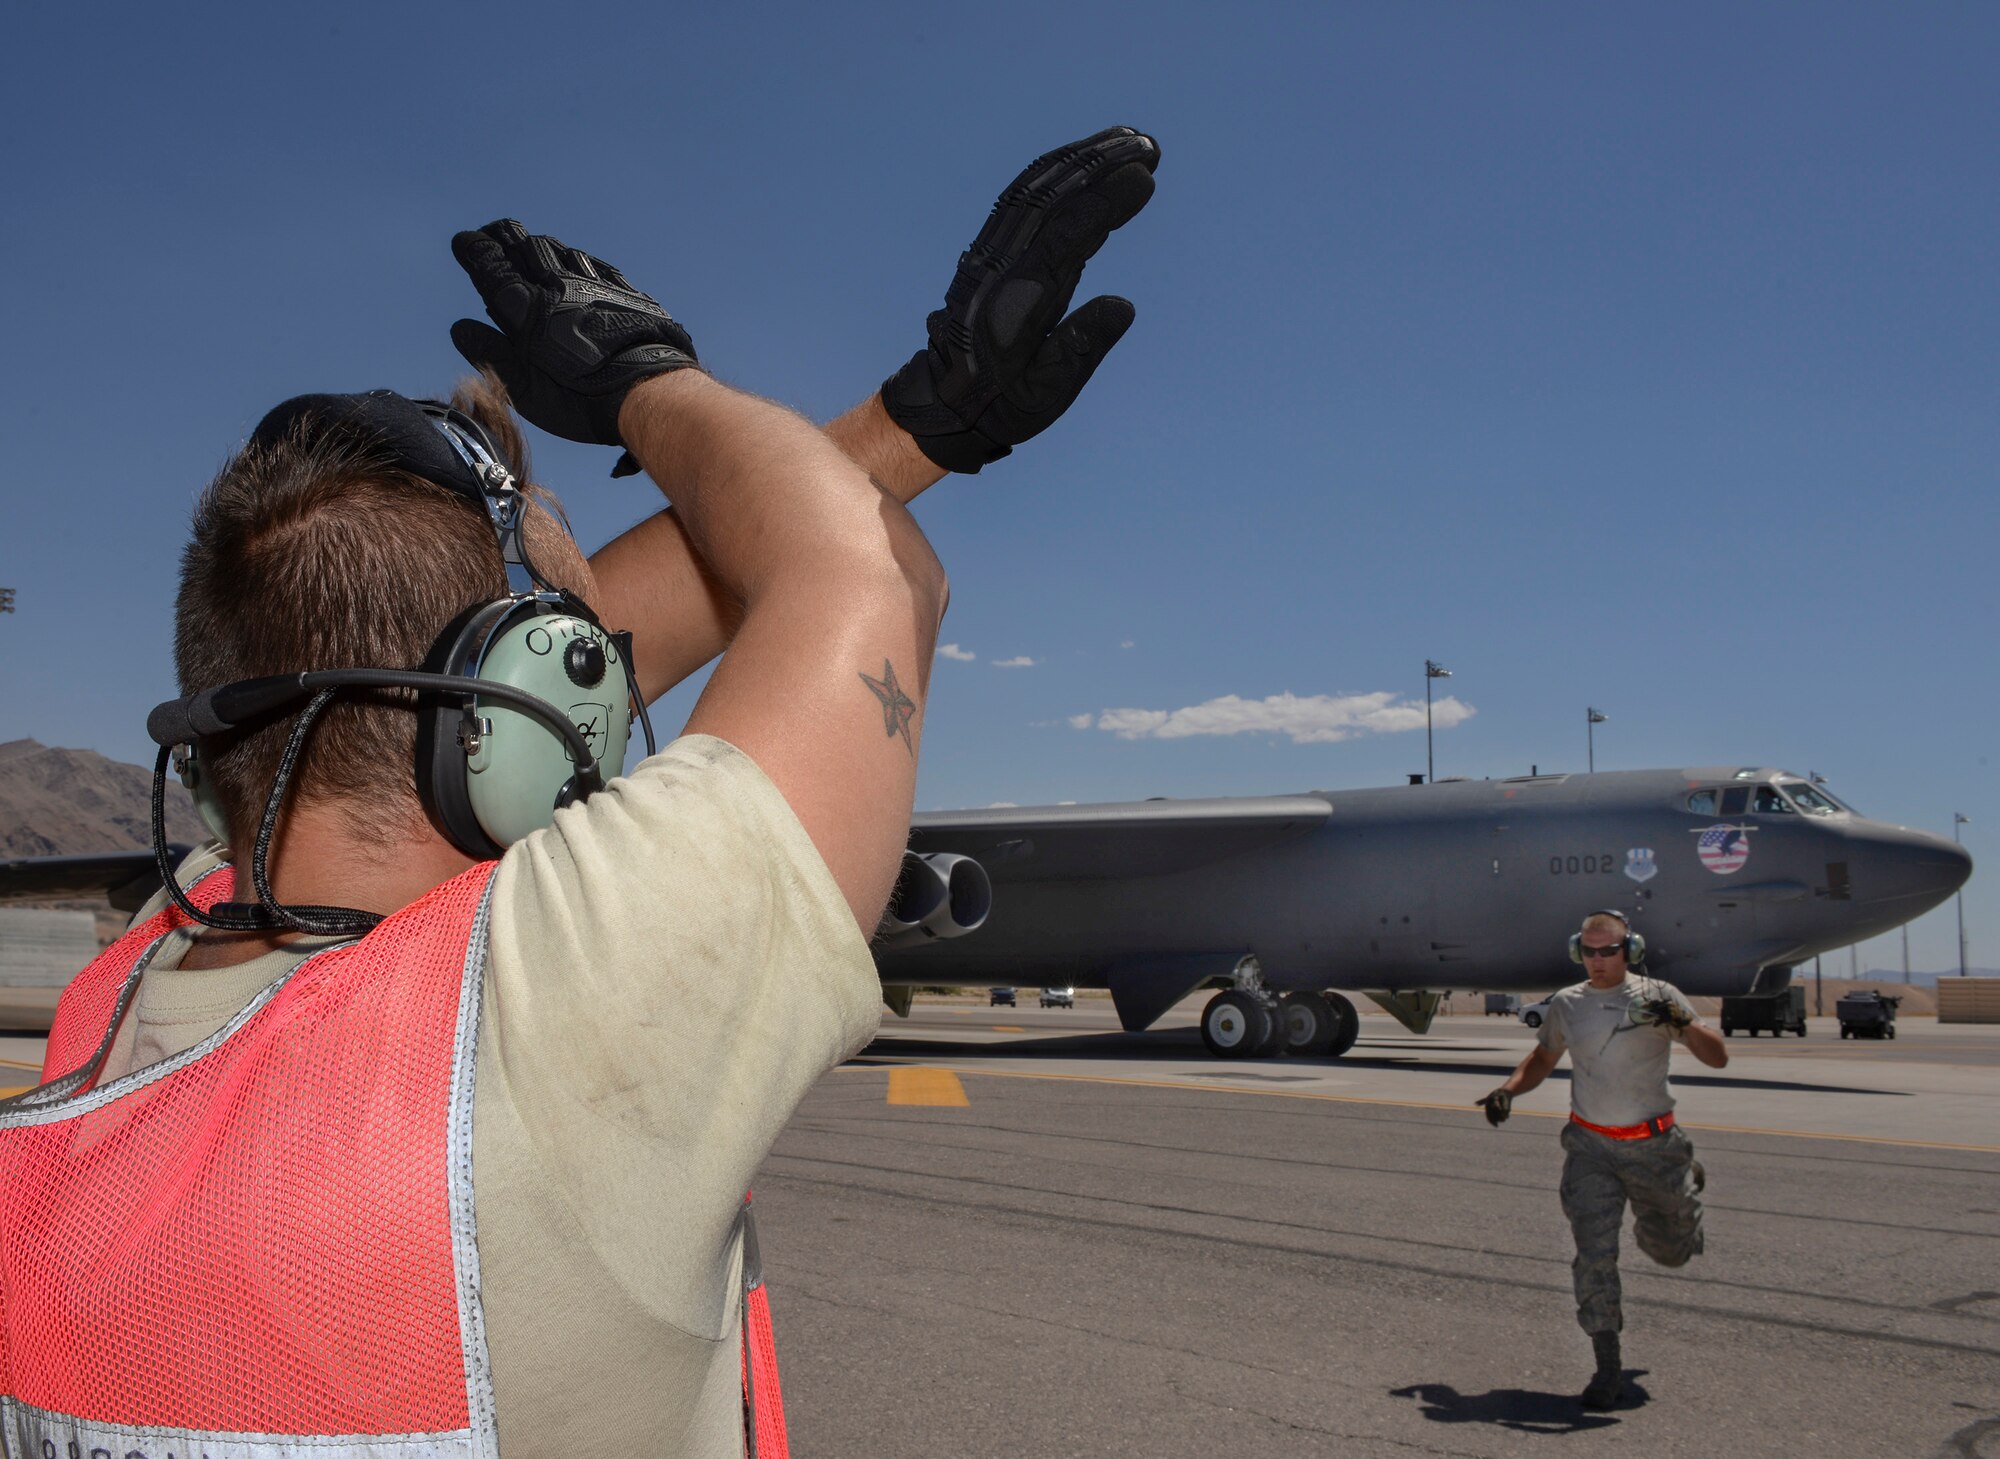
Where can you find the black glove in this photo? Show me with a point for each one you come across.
(1003, 363)
(1667, 1011)
(574, 335)
(1498, 1105)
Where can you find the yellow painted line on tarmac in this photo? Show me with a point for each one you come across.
(17, 1064)
(1008, 1028)
(926, 1086)
(1465, 1108)
(10, 1093)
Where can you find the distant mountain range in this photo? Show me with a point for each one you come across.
(57, 802)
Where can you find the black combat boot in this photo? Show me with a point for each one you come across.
(1609, 1380)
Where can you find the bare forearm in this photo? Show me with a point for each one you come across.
(759, 492)
(884, 450)
(1531, 1071)
(1705, 1044)
(651, 580)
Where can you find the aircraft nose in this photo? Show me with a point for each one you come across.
(1913, 870)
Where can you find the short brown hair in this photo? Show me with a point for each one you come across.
(315, 552)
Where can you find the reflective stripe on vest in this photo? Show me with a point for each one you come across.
(262, 1247)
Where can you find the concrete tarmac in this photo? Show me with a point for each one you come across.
(1016, 1232)
(1117, 1246)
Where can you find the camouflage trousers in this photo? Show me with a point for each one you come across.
(1599, 1177)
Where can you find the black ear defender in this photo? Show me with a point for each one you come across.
(521, 702)
(1635, 945)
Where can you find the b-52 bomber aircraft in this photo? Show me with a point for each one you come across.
(1289, 903)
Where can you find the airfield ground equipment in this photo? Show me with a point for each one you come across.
(1778, 1014)
(1866, 1015)
(1507, 1005)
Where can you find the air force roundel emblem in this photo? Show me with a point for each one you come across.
(1639, 864)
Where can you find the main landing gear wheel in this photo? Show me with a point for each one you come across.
(1273, 1042)
(1308, 1022)
(1346, 1024)
(1235, 1025)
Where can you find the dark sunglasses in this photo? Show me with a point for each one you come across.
(1617, 949)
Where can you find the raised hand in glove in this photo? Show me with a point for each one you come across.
(1003, 362)
(1498, 1105)
(574, 335)
(1668, 1012)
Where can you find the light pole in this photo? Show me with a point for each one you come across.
(1432, 670)
(1959, 818)
(1592, 718)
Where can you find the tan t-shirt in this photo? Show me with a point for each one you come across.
(1617, 1068)
(671, 967)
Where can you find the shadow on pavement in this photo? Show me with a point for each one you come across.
(1520, 1409)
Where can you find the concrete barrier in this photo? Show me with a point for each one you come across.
(1968, 1000)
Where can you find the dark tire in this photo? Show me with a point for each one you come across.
(1533, 1020)
(1307, 1022)
(1272, 1045)
(1728, 1032)
(1890, 1032)
(1234, 1024)
(1346, 1023)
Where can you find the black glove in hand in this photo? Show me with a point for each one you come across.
(1668, 1012)
(574, 335)
(1003, 363)
(1498, 1105)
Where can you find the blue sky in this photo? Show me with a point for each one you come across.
(1632, 357)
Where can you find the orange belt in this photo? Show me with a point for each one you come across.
(1658, 1125)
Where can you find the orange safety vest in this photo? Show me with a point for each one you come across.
(264, 1247)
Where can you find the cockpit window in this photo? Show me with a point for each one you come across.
(1734, 800)
(1702, 802)
(1770, 803)
(1809, 799)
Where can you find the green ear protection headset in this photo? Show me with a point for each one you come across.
(1635, 945)
(521, 702)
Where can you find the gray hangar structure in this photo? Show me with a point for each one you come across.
(1288, 903)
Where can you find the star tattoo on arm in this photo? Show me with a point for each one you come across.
(898, 709)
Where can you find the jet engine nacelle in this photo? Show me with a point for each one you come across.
(941, 895)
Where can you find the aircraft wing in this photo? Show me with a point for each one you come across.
(1132, 838)
(128, 878)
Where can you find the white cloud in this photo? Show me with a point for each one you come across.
(1126, 644)
(1019, 661)
(1319, 719)
(1065, 802)
(953, 651)
(1002, 805)
(1081, 721)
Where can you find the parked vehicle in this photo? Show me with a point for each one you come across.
(1058, 997)
(1503, 1003)
(1866, 1015)
(1780, 1013)
(1535, 1012)
(1000, 998)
